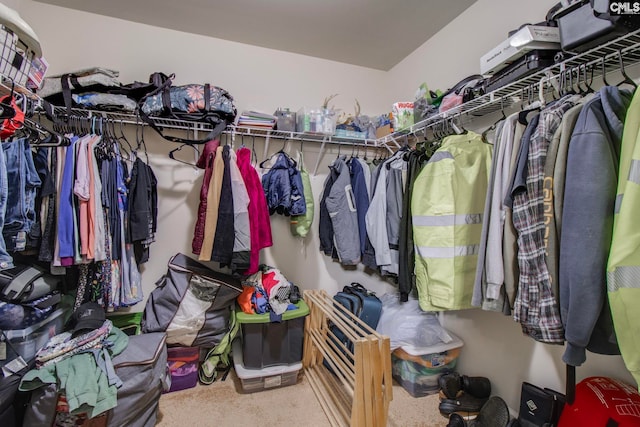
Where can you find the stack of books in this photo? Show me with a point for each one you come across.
(256, 119)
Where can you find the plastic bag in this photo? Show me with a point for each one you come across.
(406, 324)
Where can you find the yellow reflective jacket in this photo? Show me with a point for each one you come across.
(447, 207)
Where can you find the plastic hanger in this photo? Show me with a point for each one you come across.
(175, 150)
(603, 71)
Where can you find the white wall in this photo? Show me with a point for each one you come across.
(265, 79)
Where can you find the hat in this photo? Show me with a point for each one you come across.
(88, 316)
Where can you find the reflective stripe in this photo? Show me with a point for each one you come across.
(439, 252)
(618, 203)
(634, 171)
(440, 155)
(446, 220)
(623, 277)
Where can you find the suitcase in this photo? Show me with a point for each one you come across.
(362, 303)
(142, 367)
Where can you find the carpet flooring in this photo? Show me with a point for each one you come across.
(223, 404)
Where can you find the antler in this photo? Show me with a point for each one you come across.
(357, 108)
(325, 104)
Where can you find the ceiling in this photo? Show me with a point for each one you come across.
(372, 33)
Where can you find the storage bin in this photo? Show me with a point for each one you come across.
(26, 342)
(183, 367)
(417, 369)
(253, 380)
(316, 120)
(266, 343)
(19, 45)
(129, 323)
(285, 120)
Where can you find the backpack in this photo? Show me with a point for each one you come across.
(300, 224)
(218, 359)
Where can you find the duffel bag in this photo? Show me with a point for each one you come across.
(191, 303)
(24, 283)
(142, 367)
(193, 102)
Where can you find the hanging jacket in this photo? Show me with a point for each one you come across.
(223, 240)
(283, 187)
(242, 238)
(341, 206)
(205, 161)
(587, 224)
(259, 223)
(301, 224)
(325, 227)
(624, 258)
(447, 206)
(361, 195)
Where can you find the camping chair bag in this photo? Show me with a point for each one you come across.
(192, 304)
(142, 367)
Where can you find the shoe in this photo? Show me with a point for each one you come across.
(452, 384)
(456, 420)
(494, 413)
(464, 404)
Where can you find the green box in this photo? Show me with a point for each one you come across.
(129, 323)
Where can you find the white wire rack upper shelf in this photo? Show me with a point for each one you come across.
(604, 58)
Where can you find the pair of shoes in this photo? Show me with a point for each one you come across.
(494, 413)
(452, 384)
(464, 404)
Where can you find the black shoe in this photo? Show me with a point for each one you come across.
(494, 413)
(464, 404)
(452, 383)
(456, 420)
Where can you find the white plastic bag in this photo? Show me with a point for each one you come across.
(407, 325)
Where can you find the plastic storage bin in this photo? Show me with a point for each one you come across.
(253, 380)
(26, 342)
(183, 366)
(129, 323)
(318, 120)
(266, 343)
(417, 369)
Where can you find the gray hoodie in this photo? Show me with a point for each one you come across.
(587, 225)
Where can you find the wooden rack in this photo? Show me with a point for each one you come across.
(357, 389)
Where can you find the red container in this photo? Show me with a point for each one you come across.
(183, 365)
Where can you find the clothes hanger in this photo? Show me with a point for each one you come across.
(175, 150)
(627, 79)
(603, 71)
(495, 124)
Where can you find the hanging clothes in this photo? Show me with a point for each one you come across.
(213, 201)
(240, 258)
(536, 307)
(325, 226)
(447, 206)
(361, 197)
(259, 223)
(587, 224)
(406, 254)
(301, 224)
(341, 207)
(624, 258)
(222, 250)
(142, 209)
(282, 186)
(205, 161)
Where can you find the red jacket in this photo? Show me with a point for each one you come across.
(204, 162)
(260, 226)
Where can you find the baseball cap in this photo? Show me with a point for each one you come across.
(88, 316)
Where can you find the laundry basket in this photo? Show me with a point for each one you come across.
(19, 46)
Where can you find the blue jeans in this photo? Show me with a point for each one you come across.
(21, 173)
(6, 261)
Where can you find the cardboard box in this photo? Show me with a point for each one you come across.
(528, 38)
(383, 131)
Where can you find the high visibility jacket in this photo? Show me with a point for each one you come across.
(623, 269)
(447, 206)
